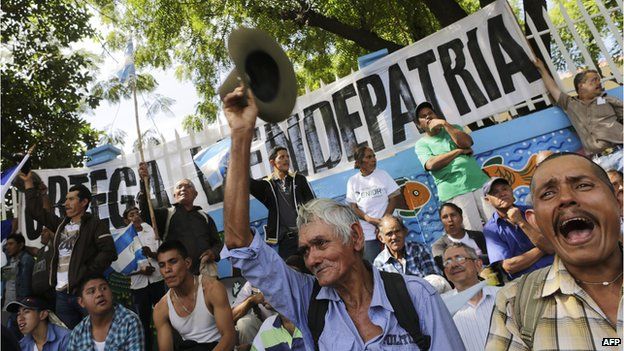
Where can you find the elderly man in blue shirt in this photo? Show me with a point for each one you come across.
(359, 315)
(509, 238)
(399, 256)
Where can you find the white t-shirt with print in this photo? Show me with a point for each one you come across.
(68, 238)
(147, 237)
(371, 193)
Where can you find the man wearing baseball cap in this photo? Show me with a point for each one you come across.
(446, 152)
(509, 238)
(34, 322)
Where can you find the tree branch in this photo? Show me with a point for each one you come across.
(362, 37)
(446, 12)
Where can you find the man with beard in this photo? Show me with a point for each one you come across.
(509, 237)
(184, 222)
(596, 117)
(197, 309)
(347, 306)
(108, 326)
(576, 303)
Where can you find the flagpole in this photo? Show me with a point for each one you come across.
(146, 188)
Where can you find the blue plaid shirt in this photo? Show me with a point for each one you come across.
(418, 261)
(125, 333)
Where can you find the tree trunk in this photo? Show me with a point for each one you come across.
(484, 3)
(362, 37)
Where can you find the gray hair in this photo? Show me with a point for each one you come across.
(339, 216)
(191, 184)
(469, 250)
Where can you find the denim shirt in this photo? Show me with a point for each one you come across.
(23, 277)
(56, 340)
(289, 292)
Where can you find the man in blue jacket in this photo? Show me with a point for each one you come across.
(34, 322)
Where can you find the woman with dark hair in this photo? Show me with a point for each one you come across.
(372, 193)
(452, 219)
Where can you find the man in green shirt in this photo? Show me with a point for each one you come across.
(446, 152)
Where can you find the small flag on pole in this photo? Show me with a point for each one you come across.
(212, 161)
(10, 174)
(129, 251)
(128, 69)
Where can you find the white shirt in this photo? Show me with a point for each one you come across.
(473, 322)
(99, 345)
(371, 193)
(147, 238)
(68, 238)
(468, 241)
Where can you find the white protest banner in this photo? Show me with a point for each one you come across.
(479, 66)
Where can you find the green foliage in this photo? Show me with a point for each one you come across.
(192, 34)
(584, 32)
(44, 83)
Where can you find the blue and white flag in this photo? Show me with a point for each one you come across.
(127, 70)
(129, 251)
(212, 161)
(10, 174)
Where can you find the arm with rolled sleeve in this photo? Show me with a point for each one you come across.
(287, 290)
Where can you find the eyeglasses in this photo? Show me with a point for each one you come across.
(458, 259)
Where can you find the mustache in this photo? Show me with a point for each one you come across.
(318, 268)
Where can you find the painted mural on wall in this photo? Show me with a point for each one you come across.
(515, 162)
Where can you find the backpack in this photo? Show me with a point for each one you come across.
(528, 309)
(396, 291)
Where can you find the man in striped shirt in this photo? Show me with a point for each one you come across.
(462, 266)
(577, 302)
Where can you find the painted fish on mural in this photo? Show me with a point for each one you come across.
(416, 195)
(494, 167)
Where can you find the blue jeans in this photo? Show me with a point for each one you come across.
(372, 248)
(143, 300)
(68, 309)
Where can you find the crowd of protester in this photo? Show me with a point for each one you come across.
(342, 276)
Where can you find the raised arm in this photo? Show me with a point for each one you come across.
(217, 302)
(460, 138)
(549, 82)
(242, 121)
(34, 204)
(515, 216)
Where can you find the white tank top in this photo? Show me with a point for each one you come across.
(199, 326)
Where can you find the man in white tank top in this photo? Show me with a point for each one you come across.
(197, 309)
